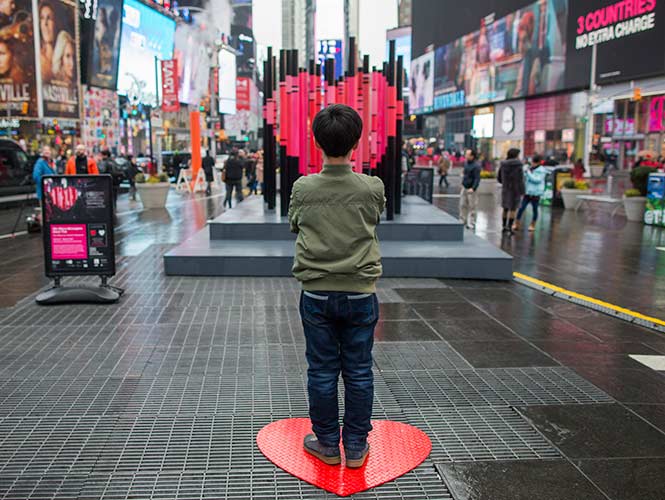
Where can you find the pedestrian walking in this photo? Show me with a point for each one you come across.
(233, 171)
(469, 195)
(43, 166)
(259, 170)
(444, 167)
(208, 164)
(107, 165)
(132, 171)
(80, 164)
(511, 178)
(338, 262)
(535, 175)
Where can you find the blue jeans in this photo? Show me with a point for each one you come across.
(526, 200)
(339, 334)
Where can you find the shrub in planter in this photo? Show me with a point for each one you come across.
(570, 190)
(488, 182)
(634, 200)
(153, 189)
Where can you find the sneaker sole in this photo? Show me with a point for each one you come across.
(357, 464)
(326, 460)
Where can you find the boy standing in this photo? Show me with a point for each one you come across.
(338, 262)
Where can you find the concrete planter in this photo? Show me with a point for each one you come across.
(569, 197)
(634, 207)
(153, 195)
(596, 170)
(487, 186)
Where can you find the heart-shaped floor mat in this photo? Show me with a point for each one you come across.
(395, 449)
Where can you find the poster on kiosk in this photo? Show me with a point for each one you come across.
(77, 215)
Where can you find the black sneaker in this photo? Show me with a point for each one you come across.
(356, 458)
(327, 454)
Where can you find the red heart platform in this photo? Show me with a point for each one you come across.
(395, 449)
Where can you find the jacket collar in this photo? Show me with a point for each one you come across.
(337, 169)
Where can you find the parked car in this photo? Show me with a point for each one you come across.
(15, 169)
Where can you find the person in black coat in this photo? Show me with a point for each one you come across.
(208, 165)
(511, 178)
(233, 171)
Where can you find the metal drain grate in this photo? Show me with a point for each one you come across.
(259, 484)
(59, 446)
(62, 397)
(469, 434)
(492, 387)
(417, 356)
(41, 487)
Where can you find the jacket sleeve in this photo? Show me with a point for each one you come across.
(37, 172)
(380, 195)
(476, 177)
(520, 181)
(499, 175)
(92, 168)
(294, 210)
(70, 167)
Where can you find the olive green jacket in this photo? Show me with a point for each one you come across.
(335, 214)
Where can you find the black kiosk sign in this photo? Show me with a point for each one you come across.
(77, 214)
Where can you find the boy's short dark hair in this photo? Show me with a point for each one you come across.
(537, 159)
(474, 153)
(337, 129)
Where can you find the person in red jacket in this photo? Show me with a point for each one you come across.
(80, 164)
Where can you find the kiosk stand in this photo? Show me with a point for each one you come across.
(77, 214)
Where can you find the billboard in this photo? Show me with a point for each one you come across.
(170, 102)
(522, 54)
(330, 49)
(630, 37)
(78, 225)
(103, 43)
(421, 84)
(100, 128)
(243, 93)
(58, 76)
(147, 36)
(505, 49)
(18, 85)
(227, 82)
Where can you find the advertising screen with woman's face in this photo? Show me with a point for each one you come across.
(57, 59)
(18, 89)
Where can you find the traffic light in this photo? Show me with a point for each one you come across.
(637, 94)
(202, 107)
(135, 110)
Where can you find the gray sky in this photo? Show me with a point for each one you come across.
(376, 16)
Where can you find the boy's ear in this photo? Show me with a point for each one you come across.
(318, 146)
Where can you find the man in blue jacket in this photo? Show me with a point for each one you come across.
(43, 166)
(469, 196)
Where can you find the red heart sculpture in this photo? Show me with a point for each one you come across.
(63, 198)
(395, 449)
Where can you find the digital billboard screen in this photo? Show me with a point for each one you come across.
(146, 35)
(227, 82)
(630, 37)
(421, 84)
(519, 55)
(506, 49)
(330, 49)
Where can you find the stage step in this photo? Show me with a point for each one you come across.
(473, 258)
(419, 221)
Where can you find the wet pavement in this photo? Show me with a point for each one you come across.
(524, 396)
